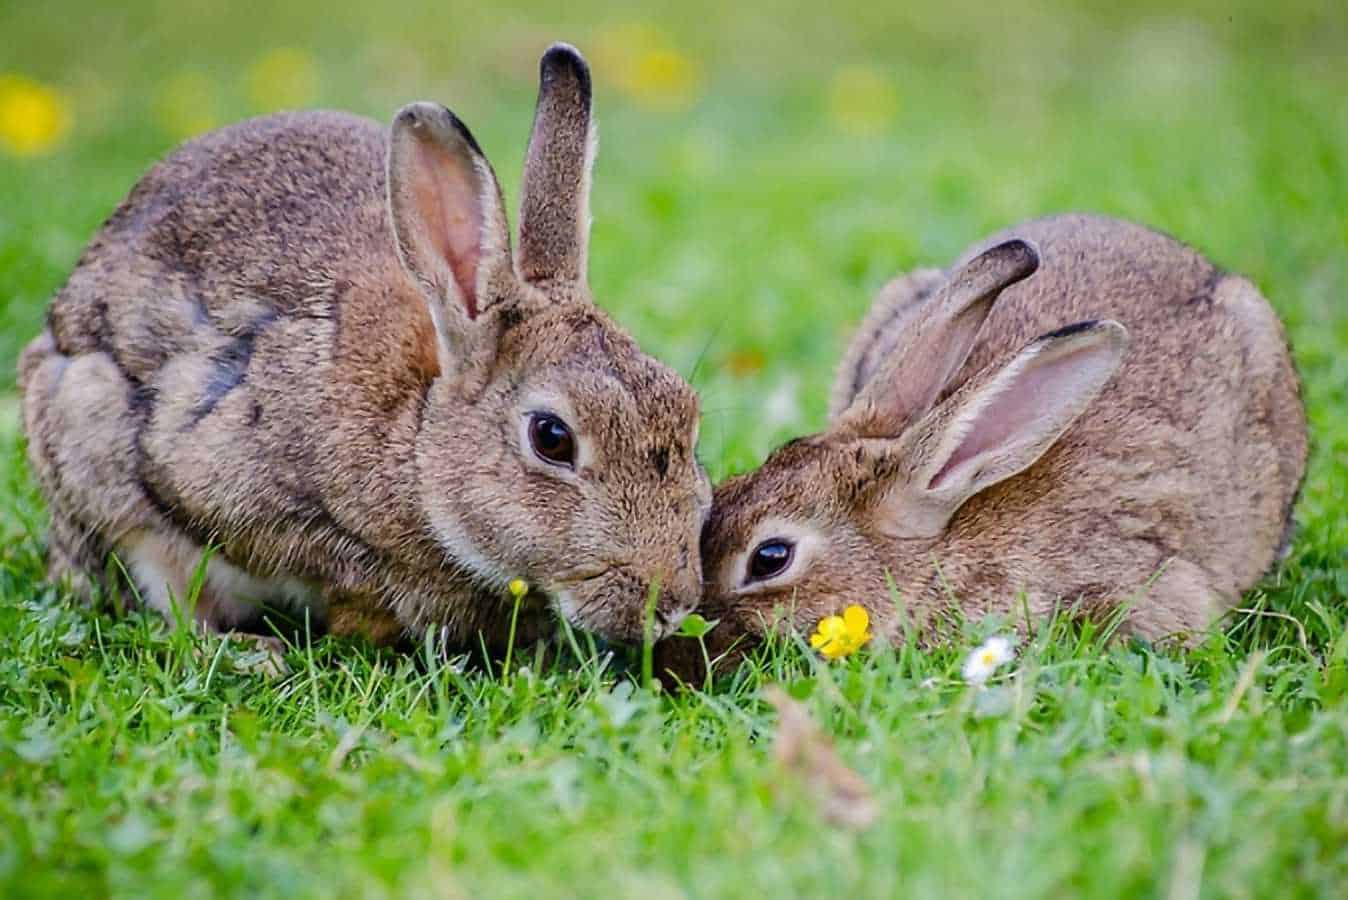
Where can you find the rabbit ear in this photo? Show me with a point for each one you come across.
(448, 218)
(936, 342)
(998, 426)
(555, 201)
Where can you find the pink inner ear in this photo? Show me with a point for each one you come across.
(1029, 409)
(444, 192)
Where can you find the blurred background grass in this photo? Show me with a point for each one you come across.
(762, 169)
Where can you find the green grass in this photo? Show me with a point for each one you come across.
(739, 235)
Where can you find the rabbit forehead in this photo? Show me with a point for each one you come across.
(599, 400)
(606, 382)
(795, 483)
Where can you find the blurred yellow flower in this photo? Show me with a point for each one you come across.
(862, 100)
(34, 117)
(284, 78)
(518, 588)
(839, 636)
(186, 105)
(647, 67)
(664, 78)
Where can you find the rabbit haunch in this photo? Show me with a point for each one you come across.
(305, 340)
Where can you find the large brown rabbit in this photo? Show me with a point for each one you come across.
(1082, 412)
(306, 341)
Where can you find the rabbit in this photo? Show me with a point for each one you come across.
(304, 341)
(1081, 412)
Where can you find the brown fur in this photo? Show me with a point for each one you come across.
(1169, 495)
(245, 358)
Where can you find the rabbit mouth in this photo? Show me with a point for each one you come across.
(580, 575)
(608, 601)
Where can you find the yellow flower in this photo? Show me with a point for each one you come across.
(861, 100)
(33, 117)
(647, 67)
(664, 77)
(518, 588)
(839, 636)
(285, 78)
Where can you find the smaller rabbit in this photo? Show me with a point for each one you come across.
(304, 340)
(1082, 412)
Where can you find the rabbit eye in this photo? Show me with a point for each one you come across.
(552, 440)
(770, 558)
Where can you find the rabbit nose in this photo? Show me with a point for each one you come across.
(664, 623)
(668, 620)
(678, 600)
(672, 607)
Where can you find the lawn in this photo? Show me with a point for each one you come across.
(761, 173)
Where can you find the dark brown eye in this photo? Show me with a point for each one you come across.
(770, 558)
(552, 440)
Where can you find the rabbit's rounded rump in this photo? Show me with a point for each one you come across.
(1081, 412)
(304, 340)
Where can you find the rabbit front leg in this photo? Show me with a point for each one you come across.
(166, 566)
(225, 601)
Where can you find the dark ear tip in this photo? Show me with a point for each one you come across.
(419, 114)
(1019, 256)
(1108, 329)
(457, 124)
(561, 53)
(1069, 330)
(437, 121)
(562, 60)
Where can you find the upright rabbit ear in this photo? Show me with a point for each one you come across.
(555, 202)
(448, 218)
(936, 342)
(997, 425)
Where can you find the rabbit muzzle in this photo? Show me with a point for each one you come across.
(612, 600)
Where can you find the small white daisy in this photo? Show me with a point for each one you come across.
(985, 660)
(781, 408)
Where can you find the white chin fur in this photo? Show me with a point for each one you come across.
(459, 547)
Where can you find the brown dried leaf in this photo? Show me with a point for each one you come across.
(804, 752)
(745, 362)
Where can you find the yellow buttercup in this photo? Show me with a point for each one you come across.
(33, 117)
(840, 636)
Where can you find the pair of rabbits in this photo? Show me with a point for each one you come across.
(306, 342)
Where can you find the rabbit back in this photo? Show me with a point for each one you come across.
(241, 226)
(1191, 457)
(203, 365)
